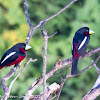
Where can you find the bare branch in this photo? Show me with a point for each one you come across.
(95, 91)
(29, 36)
(31, 30)
(50, 90)
(8, 76)
(45, 38)
(26, 13)
(92, 94)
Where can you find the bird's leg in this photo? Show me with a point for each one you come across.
(13, 69)
(19, 65)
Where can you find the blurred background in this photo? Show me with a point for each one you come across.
(14, 29)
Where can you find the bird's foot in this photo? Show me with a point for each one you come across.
(17, 65)
(13, 69)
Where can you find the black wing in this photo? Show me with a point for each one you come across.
(9, 57)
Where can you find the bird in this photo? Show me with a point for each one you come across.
(80, 43)
(14, 55)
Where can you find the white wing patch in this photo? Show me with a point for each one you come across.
(82, 42)
(8, 56)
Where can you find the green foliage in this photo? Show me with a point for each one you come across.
(14, 29)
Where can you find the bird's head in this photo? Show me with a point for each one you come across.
(85, 30)
(22, 47)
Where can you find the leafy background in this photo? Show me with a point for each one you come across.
(14, 29)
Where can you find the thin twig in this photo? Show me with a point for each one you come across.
(52, 35)
(53, 97)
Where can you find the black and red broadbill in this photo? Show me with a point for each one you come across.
(79, 46)
(14, 55)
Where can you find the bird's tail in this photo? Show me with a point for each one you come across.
(74, 66)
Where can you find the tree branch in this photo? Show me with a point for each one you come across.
(95, 91)
(45, 38)
(8, 76)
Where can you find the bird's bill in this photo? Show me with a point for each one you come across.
(28, 47)
(91, 32)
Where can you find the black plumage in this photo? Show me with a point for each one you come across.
(79, 46)
(14, 55)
